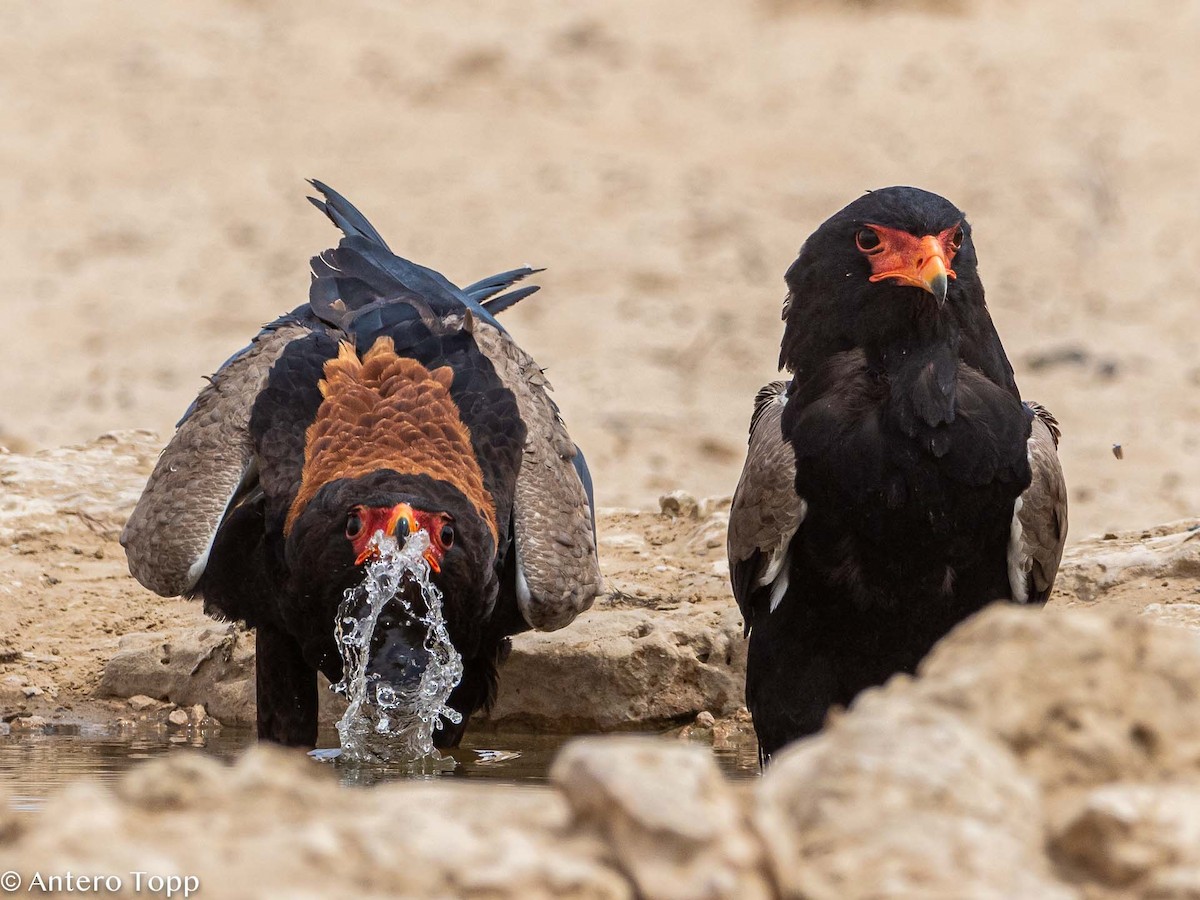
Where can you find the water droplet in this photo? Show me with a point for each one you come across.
(392, 722)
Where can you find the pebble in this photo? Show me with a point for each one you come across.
(679, 505)
(705, 719)
(198, 713)
(178, 717)
(31, 691)
(141, 702)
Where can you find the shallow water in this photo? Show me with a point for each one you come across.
(395, 720)
(33, 767)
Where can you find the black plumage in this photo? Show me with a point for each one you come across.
(911, 451)
(392, 398)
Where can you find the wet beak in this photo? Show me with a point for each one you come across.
(401, 522)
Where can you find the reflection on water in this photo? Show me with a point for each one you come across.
(35, 766)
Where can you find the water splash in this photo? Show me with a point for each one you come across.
(387, 722)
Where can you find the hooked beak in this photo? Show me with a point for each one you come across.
(400, 523)
(921, 262)
(934, 275)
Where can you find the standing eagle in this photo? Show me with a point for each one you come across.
(897, 483)
(394, 402)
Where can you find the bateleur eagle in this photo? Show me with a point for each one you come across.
(897, 483)
(391, 401)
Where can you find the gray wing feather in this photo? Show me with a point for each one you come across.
(1043, 513)
(558, 569)
(207, 465)
(766, 510)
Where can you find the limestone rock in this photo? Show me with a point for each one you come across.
(1123, 833)
(213, 665)
(29, 723)
(679, 505)
(1081, 698)
(1094, 567)
(624, 667)
(667, 816)
(901, 799)
(191, 781)
(276, 818)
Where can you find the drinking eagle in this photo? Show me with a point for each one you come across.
(392, 401)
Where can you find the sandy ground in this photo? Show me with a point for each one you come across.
(663, 161)
(66, 598)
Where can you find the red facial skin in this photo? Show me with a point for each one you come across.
(911, 260)
(384, 518)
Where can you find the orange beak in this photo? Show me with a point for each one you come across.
(921, 262)
(400, 521)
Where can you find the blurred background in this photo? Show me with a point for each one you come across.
(664, 160)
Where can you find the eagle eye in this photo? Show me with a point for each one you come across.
(956, 239)
(354, 524)
(866, 239)
(446, 536)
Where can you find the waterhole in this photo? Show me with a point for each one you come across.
(33, 767)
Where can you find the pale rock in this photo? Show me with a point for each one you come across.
(668, 817)
(679, 505)
(277, 824)
(658, 666)
(1185, 615)
(178, 717)
(1081, 698)
(183, 781)
(1123, 832)
(1093, 567)
(213, 665)
(901, 799)
(1178, 883)
(28, 723)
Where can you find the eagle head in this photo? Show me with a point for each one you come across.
(337, 534)
(892, 257)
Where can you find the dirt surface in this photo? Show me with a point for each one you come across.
(664, 161)
(665, 641)
(1041, 754)
(664, 164)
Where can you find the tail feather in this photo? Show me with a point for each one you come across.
(344, 214)
(506, 301)
(363, 269)
(487, 287)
